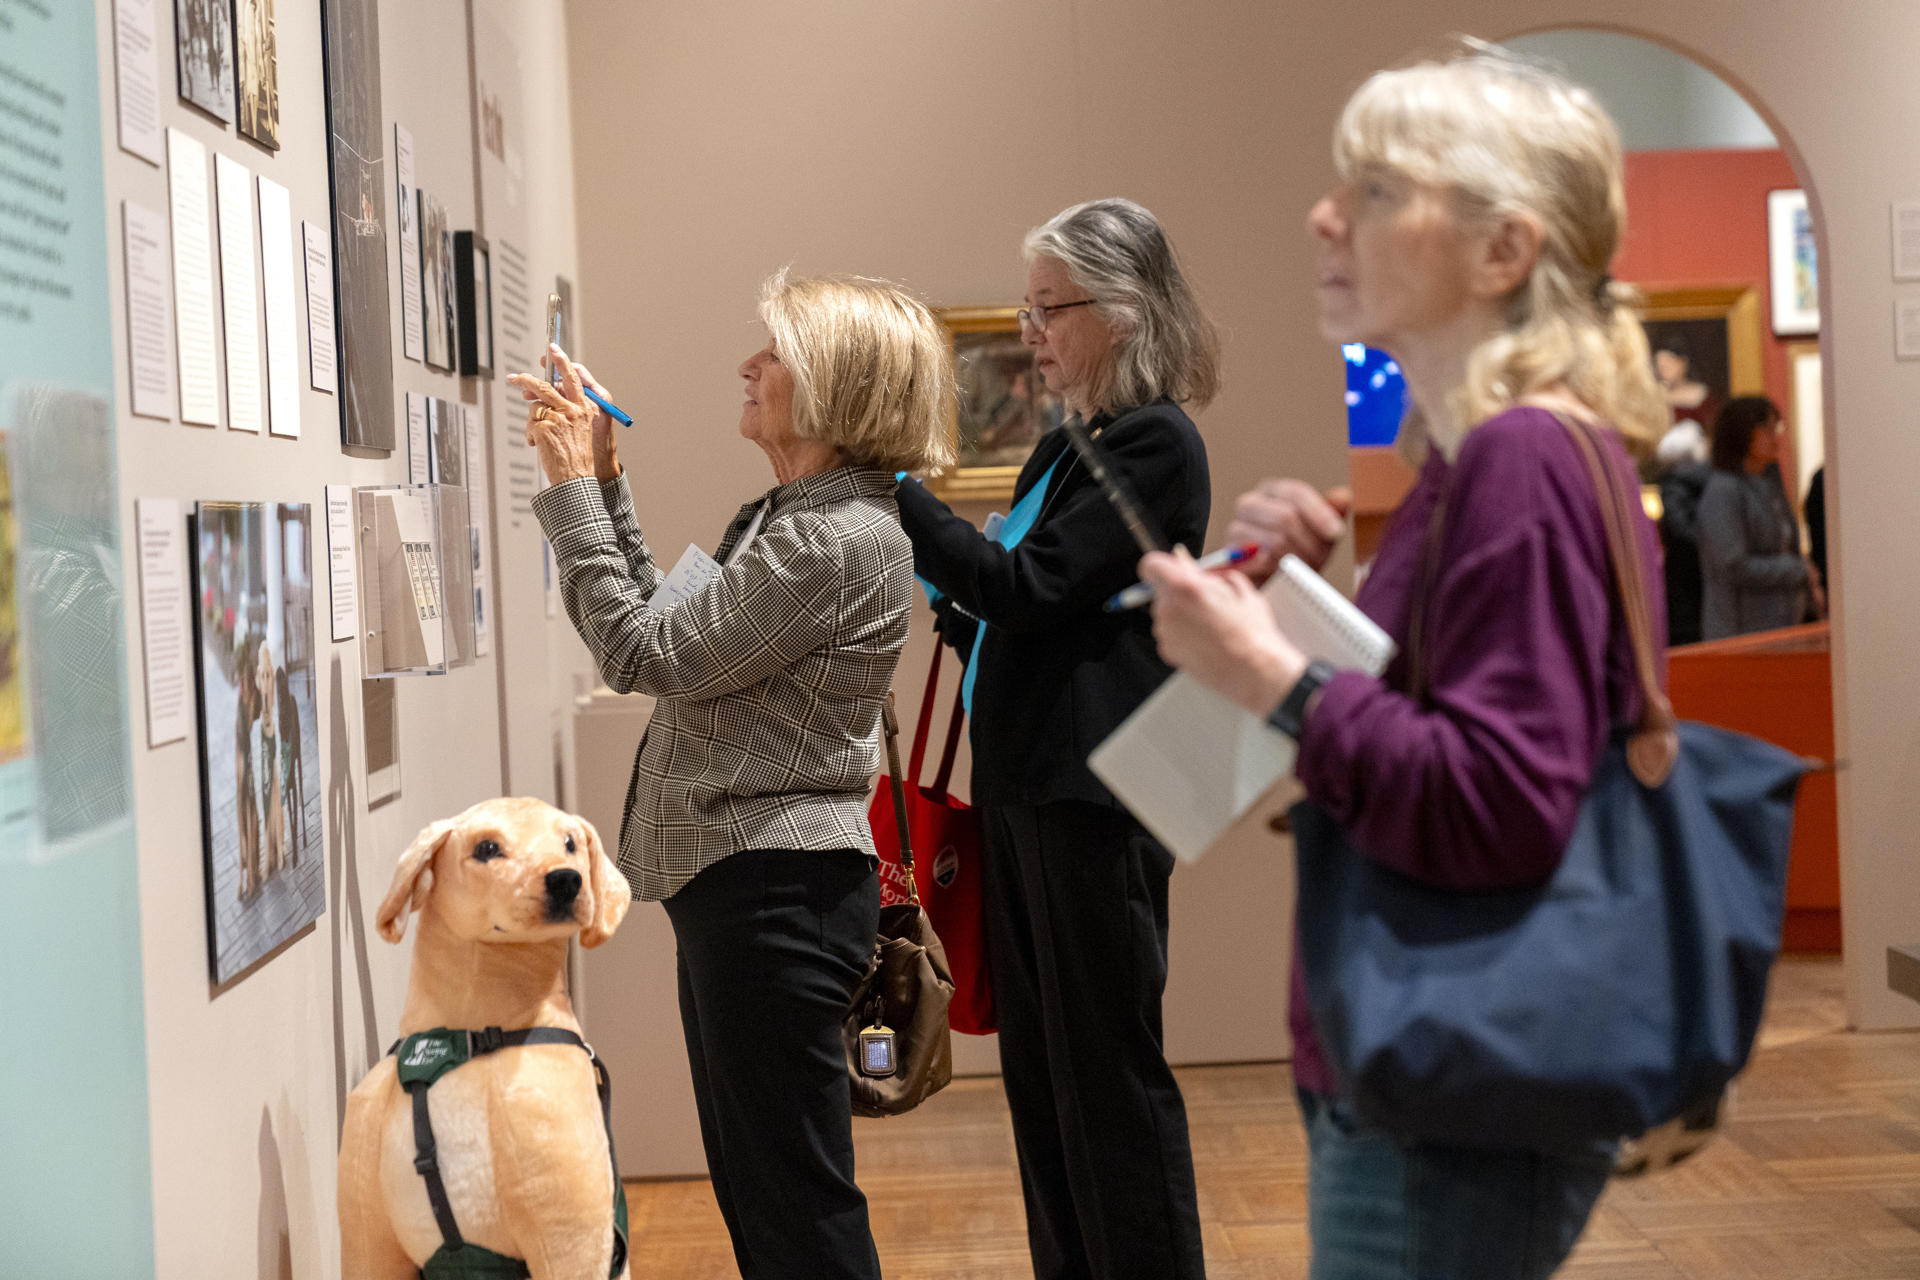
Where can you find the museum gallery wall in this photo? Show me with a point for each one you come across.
(255, 374)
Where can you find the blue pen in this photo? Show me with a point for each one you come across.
(614, 411)
(1140, 593)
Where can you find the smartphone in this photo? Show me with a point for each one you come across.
(555, 338)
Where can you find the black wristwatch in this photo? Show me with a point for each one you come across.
(1291, 715)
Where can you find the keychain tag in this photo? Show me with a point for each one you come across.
(876, 1051)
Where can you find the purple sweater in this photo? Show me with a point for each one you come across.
(1529, 667)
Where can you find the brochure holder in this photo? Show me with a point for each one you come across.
(416, 575)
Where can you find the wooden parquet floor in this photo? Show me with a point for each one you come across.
(1816, 1178)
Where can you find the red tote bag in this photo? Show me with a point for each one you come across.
(946, 842)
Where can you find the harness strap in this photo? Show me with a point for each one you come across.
(426, 1161)
(434, 1053)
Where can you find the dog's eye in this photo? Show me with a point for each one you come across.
(487, 851)
(569, 844)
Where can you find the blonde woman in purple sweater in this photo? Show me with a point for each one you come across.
(1478, 208)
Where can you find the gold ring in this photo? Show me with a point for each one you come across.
(541, 411)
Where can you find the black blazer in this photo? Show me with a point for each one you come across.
(1057, 673)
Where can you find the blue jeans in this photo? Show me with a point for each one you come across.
(1378, 1210)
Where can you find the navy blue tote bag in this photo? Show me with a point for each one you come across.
(1593, 1007)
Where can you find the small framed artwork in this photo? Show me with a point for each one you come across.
(1705, 344)
(436, 287)
(473, 273)
(1004, 407)
(1793, 264)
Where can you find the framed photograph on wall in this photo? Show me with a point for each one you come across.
(473, 276)
(258, 63)
(1793, 264)
(259, 736)
(1004, 407)
(203, 42)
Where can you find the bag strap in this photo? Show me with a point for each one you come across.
(1655, 742)
(918, 755)
(943, 778)
(892, 724)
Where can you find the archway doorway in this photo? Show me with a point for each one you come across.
(1721, 242)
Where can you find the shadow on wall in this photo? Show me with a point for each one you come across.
(276, 1241)
(349, 928)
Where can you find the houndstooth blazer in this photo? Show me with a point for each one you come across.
(769, 681)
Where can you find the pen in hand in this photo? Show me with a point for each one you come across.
(1140, 593)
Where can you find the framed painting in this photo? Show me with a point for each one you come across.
(1705, 343)
(1793, 264)
(1004, 407)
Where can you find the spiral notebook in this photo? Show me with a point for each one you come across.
(1188, 763)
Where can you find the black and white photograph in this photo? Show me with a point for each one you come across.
(259, 84)
(357, 137)
(203, 37)
(259, 738)
(436, 281)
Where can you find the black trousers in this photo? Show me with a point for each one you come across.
(1075, 900)
(771, 944)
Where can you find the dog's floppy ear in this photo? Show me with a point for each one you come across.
(412, 880)
(611, 893)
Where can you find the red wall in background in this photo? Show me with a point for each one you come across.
(1700, 217)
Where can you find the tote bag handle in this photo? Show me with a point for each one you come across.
(1655, 743)
(891, 722)
(917, 757)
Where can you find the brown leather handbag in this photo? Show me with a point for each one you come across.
(899, 1050)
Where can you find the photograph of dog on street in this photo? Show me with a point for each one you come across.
(260, 792)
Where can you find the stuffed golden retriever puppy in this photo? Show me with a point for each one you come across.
(516, 1159)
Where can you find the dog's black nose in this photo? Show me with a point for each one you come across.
(563, 886)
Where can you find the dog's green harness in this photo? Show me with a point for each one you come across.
(424, 1057)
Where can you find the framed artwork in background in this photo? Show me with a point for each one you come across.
(203, 43)
(1004, 407)
(356, 143)
(1704, 336)
(1793, 264)
(434, 282)
(260, 789)
(258, 66)
(473, 280)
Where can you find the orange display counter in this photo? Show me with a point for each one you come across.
(1778, 685)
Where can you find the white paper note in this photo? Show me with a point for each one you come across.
(193, 302)
(144, 232)
(283, 307)
(137, 78)
(691, 572)
(1906, 240)
(163, 620)
(419, 449)
(1906, 329)
(346, 601)
(239, 293)
(412, 330)
(479, 525)
(320, 351)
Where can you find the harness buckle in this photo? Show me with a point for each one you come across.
(426, 1162)
(484, 1041)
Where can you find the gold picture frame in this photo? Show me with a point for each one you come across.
(1722, 321)
(1003, 406)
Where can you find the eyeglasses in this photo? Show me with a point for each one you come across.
(1036, 315)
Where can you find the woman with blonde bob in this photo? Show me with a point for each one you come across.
(747, 810)
(1478, 207)
(1074, 891)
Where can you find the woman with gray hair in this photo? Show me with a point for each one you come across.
(1075, 890)
(747, 813)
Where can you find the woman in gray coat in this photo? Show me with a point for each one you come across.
(1753, 575)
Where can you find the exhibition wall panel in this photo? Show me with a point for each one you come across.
(73, 1077)
(247, 1080)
